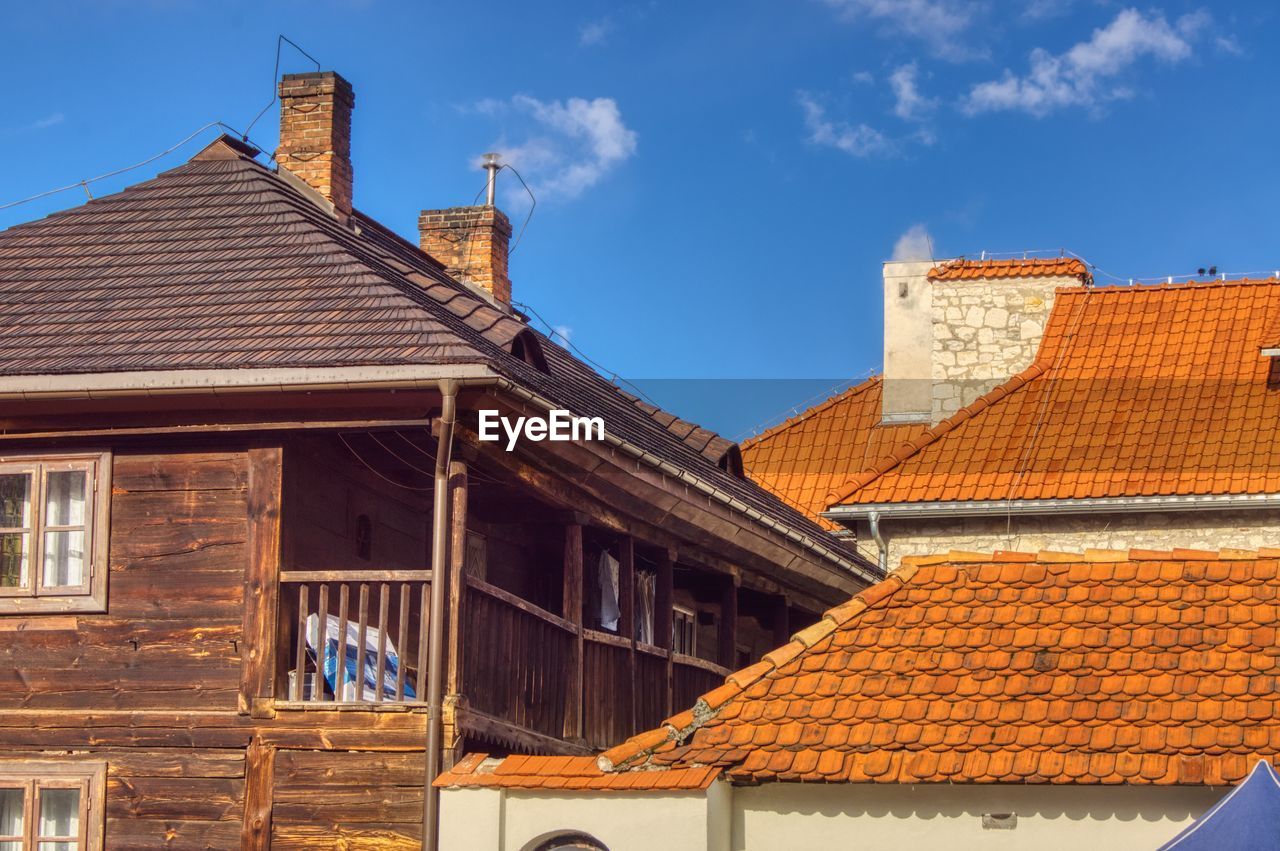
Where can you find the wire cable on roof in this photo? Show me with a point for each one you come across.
(552, 332)
(281, 40)
(85, 183)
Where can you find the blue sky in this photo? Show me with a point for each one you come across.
(717, 183)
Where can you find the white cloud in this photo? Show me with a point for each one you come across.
(863, 77)
(564, 332)
(909, 104)
(857, 140)
(1079, 77)
(48, 121)
(594, 32)
(1039, 10)
(569, 146)
(938, 22)
(914, 244)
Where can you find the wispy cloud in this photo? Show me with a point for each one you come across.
(909, 104)
(940, 23)
(859, 140)
(595, 32)
(564, 332)
(914, 244)
(566, 146)
(1083, 75)
(51, 120)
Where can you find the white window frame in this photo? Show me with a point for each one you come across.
(32, 776)
(91, 595)
(684, 615)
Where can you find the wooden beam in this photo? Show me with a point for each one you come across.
(518, 739)
(728, 625)
(781, 620)
(259, 776)
(627, 618)
(573, 592)
(662, 602)
(457, 572)
(262, 583)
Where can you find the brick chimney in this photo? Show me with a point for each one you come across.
(472, 243)
(955, 329)
(315, 134)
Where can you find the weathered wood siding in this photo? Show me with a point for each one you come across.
(152, 687)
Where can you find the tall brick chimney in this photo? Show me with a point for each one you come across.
(472, 242)
(315, 134)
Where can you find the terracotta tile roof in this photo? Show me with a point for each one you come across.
(975, 270)
(1106, 667)
(803, 459)
(222, 263)
(568, 773)
(1135, 391)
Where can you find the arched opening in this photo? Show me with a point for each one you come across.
(565, 840)
(526, 347)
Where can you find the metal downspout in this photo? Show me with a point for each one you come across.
(435, 639)
(874, 519)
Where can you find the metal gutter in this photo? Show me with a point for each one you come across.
(1004, 507)
(435, 640)
(222, 381)
(881, 546)
(693, 481)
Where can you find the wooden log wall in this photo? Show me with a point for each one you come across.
(160, 686)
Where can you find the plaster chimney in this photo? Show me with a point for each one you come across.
(315, 135)
(956, 329)
(472, 242)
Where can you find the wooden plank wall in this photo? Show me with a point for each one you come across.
(153, 687)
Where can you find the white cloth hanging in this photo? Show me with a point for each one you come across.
(646, 585)
(608, 578)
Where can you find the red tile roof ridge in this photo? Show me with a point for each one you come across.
(910, 447)
(1139, 288)
(963, 268)
(635, 751)
(1096, 556)
(831, 400)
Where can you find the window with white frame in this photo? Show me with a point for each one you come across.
(684, 630)
(53, 533)
(51, 806)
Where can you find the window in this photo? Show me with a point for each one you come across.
(684, 630)
(53, 533)
(51, 806)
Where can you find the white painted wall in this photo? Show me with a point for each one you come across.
(512, 820)
(837, 816)
(858, 816)
(907, 395)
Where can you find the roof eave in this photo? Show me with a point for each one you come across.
(221, 381)
(1100, 505)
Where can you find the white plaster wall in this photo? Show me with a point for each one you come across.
(511, 820)
(982, 333)
(904, 818)
(908, 341)
(1200, 530)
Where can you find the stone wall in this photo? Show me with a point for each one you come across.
(985, 331)
(1200, 530)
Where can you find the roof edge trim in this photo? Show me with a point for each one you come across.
(862, 571)
(202, 381)
(974, 508)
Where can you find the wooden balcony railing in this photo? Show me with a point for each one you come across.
(357, 637)
(516, 659)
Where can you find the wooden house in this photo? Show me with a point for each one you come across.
(241, 466)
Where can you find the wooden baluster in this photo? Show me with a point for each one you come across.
(662, 602)
(340, 670)
(322, 622)
(424, 614)
(361, 636)
(728, 631)
(572, 607)
(301, 654)
(384, 607)
(402, 640)
(627, 626)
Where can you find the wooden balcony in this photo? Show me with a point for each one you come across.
(381, 611)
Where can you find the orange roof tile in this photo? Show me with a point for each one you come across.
(1035, 267)
(992, 674)
(801, 460)
(1135, 391)
(568, 772)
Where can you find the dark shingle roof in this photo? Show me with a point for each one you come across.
(222, 263)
